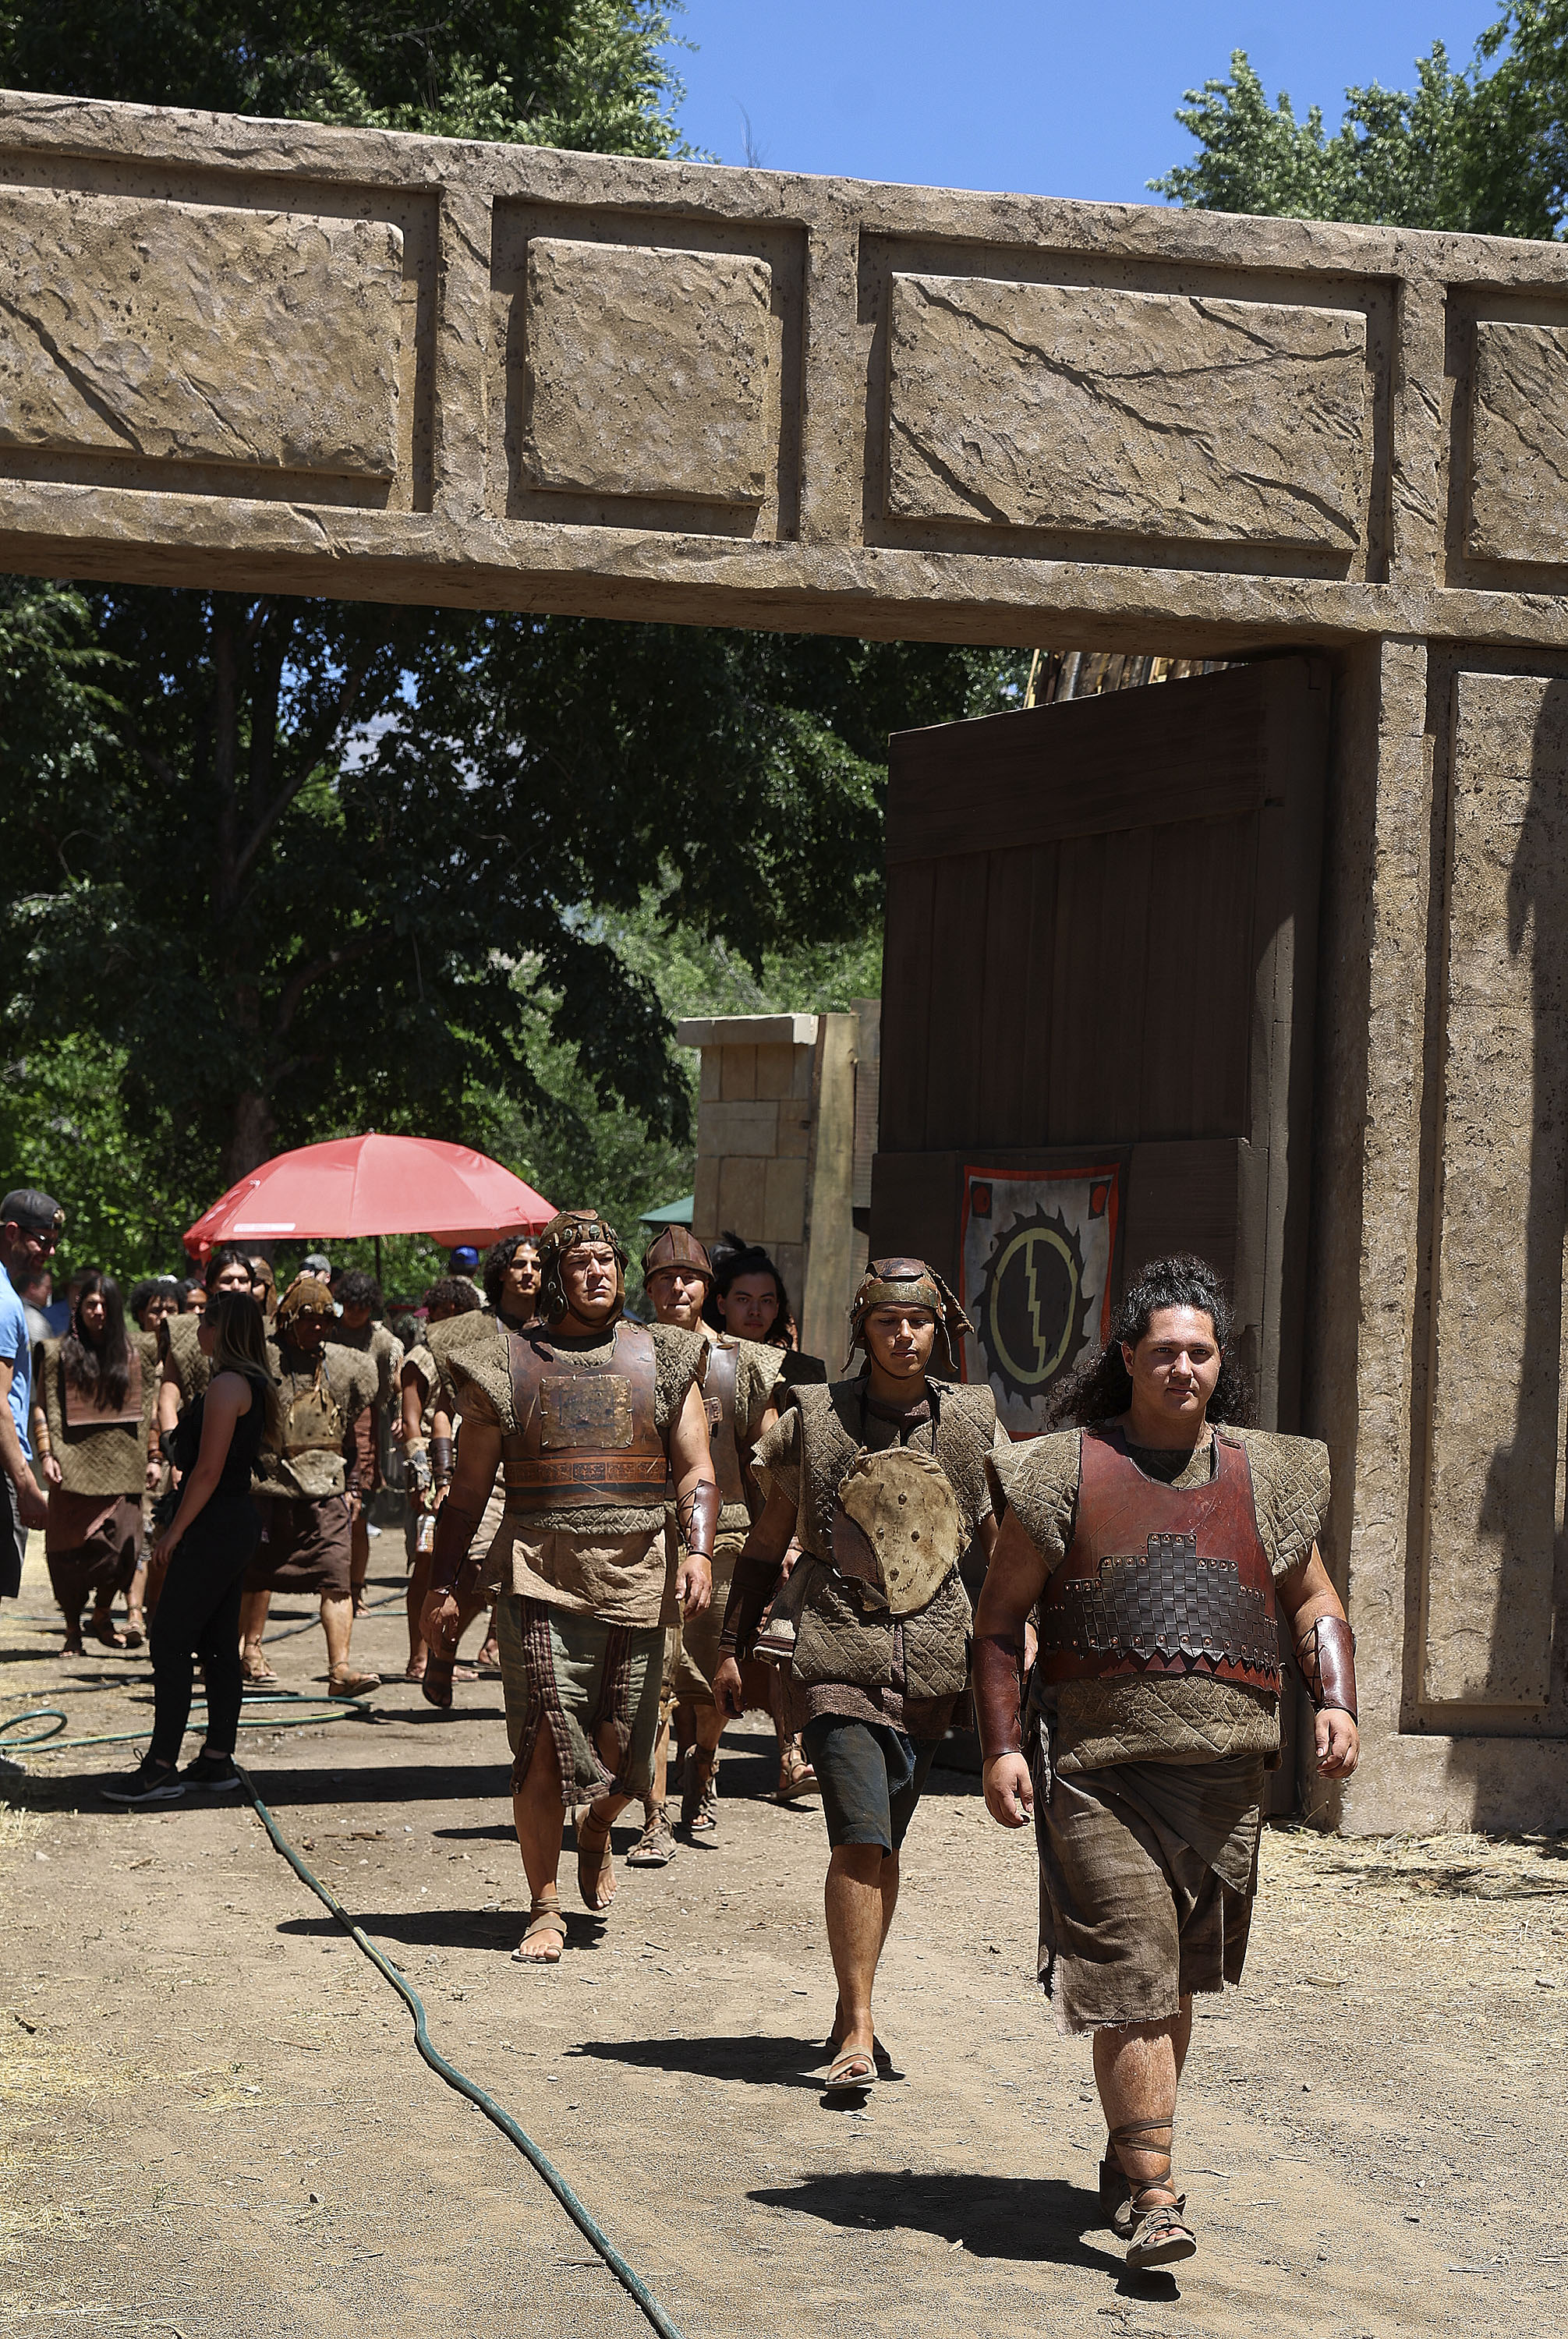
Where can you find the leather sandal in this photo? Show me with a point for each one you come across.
(655, 1846)
(796, 1776)
(346, 1683)
(104, 1628)
(544, 1917)
(854, 2072)
(1161, 2236)
(1156, 2230)
(595, 1867)
(699, 1792)
(254, 1665)
(885, 2068)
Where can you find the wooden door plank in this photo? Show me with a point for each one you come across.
(1136, 759)
(958, 924)
(906, 1006)
(1008, 944)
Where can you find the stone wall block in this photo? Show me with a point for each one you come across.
(748, 1129)
(1157, 414)
(784, 1203)
(711, 1085)
(775, 1070)
(647, 371)
(1519, 442)
(794, 1129)
(706, 1199)
(742, 1194)
(737, 1073)
(194, 333)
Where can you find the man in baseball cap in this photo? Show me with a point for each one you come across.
(31, 1224)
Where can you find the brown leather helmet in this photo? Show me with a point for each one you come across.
(306, 1296)
(674, 1247)
(909, 1283)
(566, 1232)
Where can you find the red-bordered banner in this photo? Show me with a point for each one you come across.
(1036, 1252)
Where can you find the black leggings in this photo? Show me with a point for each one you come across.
(198, 1615)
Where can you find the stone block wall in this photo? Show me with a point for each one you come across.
(775, 1154)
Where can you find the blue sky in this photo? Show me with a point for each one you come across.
(1025, 95)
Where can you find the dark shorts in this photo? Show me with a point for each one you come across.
(305, 1547)
(871, 1776)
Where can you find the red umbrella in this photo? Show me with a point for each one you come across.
(374, 1186)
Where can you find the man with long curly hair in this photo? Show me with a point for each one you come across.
(1161, 1547)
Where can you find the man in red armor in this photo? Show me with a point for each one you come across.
(1158, 1547)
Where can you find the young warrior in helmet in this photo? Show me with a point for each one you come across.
(883, 1480)
(1157, 1550)
(737, 1390)
(588, 1415)
(304, 1479)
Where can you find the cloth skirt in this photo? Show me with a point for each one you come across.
(587, 1683)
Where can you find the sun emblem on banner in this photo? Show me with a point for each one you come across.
(1033, 1315)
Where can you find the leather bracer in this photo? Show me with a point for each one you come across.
(441, 1460)
(455, 1531)
(697, 1514)
(1326, 1656)
(998, 1685)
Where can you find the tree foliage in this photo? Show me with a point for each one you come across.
(1484, 149)
(284, 867)
(589, 73)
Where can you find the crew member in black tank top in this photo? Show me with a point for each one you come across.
(206, 1551)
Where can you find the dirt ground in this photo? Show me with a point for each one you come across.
(214, 2122)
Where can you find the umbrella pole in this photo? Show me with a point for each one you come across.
(377, 1258)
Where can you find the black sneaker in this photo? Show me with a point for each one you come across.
(214, 1773)
(149, 1783)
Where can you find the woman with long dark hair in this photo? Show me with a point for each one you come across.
(204, 1553)
(91, 1418)
(748, 1300)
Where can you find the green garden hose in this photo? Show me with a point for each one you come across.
(586, 2223)
(580, 2215)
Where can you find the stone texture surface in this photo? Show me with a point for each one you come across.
(1149, 414)
(195, 332)
(1519, 442)
(647, 371)
(1495, 1495)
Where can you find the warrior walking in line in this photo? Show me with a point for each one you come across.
(588, 1415)
(881, 1479)
(1157, 1545)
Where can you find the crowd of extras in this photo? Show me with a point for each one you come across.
(647, 1514)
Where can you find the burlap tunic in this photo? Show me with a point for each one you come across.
(306, 1539)
(907, 1674)
(1149, 1789)
(95, 1525)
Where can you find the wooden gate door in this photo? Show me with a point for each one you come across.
(1097, 1012)
(1097, 1015)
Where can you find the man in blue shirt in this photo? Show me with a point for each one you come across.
(30, 1225)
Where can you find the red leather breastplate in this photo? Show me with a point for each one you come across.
(1160, 1580)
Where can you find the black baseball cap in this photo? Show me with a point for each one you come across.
(36, 1213)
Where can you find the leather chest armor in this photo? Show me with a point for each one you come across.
(314, 1421)
(81, 1411)
(587, 1436)
(719, 1388)
(1160, 1580)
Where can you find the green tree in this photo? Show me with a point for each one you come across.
(328, 866)
(1484, 149)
